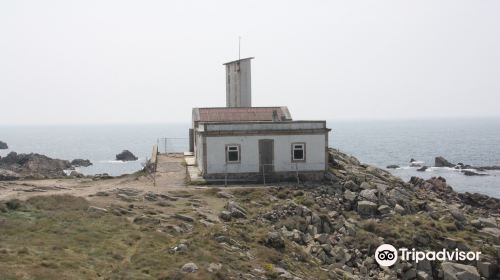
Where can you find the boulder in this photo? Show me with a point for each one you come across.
(486, 269)
(225, 216)
(366, 208)
(350, 196)
(350, 185)
(456, 271)
(126, 155)
(81, 162)
(442, 162)
(370, 195)
(457, 214)
(423, 168)
(189, 268)
(214, 267)
(399, 209)
(392, 166)
(34, 165)
(384, 209)
(274, 240)
(472, 173)
(236, 210)
(3, 145)
(7, 175)
(76, 174)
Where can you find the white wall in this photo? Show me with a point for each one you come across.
(216, 157)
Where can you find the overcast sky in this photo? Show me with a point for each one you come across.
(152, 61)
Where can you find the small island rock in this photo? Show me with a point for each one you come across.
(126, 155)
(81, 162)
(442, 162)
(3, 146)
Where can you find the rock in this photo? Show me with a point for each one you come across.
(486, 269)
(399, 209)
(457, 215)
(365, 186)
(456, 271)
(189, 268)
(442, 162)
(350, 185)
(7, 175)
(236, 210)
(274, 240)
(480, 200)
(384, 209)
(146, 220)
(3, 145)
(472, 173)
(422, 275)
(366, 208)
(76, 174)
(214, 267)
(225, 216)
(492, 232)
(97, 209)
(222, 194)
(370, 195)
(392, 166)
(34, 165)
(410, 274)
(81, 162)
(185, 218)
(126, 155)
(350, 196)
(423, 168)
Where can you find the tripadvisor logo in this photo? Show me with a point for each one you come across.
(387, 255)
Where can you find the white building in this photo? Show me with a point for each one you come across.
(244, 142)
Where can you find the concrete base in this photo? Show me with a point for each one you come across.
(271, 177)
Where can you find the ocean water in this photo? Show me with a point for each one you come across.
(475, 142)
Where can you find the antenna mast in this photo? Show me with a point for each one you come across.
(239, 47)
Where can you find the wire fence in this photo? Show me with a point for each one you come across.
(172, 145)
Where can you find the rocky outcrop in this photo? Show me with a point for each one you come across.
(456, 271)
(7, 175)
(392, 166)
(442, 162)
(34, 165)
(81, 162)
(126, 155)
(342, 222)
(3, 145)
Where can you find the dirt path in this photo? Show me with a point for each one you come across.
(171, 175)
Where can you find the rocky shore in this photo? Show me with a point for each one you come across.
(342, 223)
(311, 230)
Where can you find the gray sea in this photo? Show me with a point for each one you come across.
(472, 141)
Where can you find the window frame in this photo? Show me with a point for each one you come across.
(238, 146)
(292, 148)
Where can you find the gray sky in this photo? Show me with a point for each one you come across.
(152, 61)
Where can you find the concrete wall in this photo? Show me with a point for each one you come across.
(252, 126)
(238, 84)
(198, 151)
(315, 153)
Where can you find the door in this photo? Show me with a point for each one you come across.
(266, 155)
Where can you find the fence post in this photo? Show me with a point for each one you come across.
(225, 175)
(264, 173)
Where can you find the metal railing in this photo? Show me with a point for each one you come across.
(172, 144)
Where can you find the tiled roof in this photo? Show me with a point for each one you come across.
(240, 114)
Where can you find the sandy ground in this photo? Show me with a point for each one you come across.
(170, 176)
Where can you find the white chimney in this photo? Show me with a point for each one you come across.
(239, 83)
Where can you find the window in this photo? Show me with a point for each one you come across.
(233, 153)
(298, 151)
